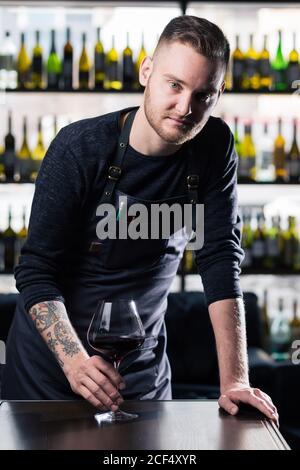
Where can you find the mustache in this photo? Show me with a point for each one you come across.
(189, 122)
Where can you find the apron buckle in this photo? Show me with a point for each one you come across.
(193, 181)
(114, 173)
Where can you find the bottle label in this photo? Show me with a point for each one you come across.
(272, 247)
(1, 255)
(128, 71)
(37, 65)
(112, 72)
(264, 68)
(99, 62)
(9, 163)
(53, 80)
(292, 74)
(9, 253)
(258, 248)
(251, 68)
(237, 73)
(293, 168)
(279, 79)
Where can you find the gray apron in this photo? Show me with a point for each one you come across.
(140, 269)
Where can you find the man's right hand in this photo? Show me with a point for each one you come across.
(96, 380)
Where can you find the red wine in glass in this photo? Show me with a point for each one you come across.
(117, 347)
(114, 332)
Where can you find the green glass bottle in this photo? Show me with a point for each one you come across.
(53, 66)
(279, 66)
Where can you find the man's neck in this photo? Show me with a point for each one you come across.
(145, 140)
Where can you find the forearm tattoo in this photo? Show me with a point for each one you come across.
(64, 335)
(52, 343)
(50, 314)
(44, 315)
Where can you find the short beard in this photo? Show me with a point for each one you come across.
(150, 116)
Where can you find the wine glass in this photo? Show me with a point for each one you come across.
(115, 331)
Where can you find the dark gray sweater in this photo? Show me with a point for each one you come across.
(73, 174)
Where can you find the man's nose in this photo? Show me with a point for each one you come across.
(184, 105)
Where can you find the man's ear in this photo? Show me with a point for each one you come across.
(145, 70)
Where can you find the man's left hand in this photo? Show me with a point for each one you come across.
(238, 393)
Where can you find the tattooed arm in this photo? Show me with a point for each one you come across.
(91, 377)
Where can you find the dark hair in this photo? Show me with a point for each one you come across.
(205, 37)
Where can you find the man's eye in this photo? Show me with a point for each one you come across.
(174, 85)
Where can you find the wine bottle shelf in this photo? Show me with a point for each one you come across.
(120, 92)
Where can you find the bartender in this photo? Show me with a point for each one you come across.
(169, 150)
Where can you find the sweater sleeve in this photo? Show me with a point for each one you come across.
(52, 222)
(218, 262)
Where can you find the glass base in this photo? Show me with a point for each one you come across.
(114, 417)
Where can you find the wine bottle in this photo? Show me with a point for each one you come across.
(8, 72)
(279, 155)
(295, 322)
(238, 66)
(9, 238)
(1, 252)
(112, 80)
(23, 65)
(2, 169)
(9, 157)
(53, 66)
(290, 243)
(251, 77)
(279, 68)
(38, 153)
(237, 142)
(273, 244)
(84, 66)
(265, 164)
(67, 75)
(259, 247)
(265, 67)
(293, 159)
(37, 63)
(293, 67)
(280, 333)
(24, 161)
(247, 162)
(21, 237)
(142, 54)
(247, 240)
(99, 63)
(128, 67)
(265, 320)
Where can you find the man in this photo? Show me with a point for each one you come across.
(176, 153)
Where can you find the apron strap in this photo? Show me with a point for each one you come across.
(192, 178)
(115, 169)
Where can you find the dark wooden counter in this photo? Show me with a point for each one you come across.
(161, 425)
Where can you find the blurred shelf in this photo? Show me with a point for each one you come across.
(117, 92)
(120, 92)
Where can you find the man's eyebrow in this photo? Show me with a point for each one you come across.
(206, 90)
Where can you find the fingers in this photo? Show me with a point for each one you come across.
(107, 369)
(253, 397)
(96, 393)
(98, 382)
(228, 405)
